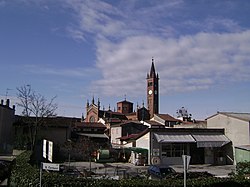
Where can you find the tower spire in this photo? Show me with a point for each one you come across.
(98, 103)
(152, 70)
(153, 91)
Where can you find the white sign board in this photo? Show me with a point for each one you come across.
(44, 148)
(50, 153)
(51, 166)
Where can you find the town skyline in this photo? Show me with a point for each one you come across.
(80, 49)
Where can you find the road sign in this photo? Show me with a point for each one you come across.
(50, 153)
(186, 161)
(51, 166)
(44, 148)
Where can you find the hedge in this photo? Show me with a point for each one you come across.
(23, 174)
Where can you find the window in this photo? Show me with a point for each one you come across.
(150, 83)
(173, 150)
(92, 119)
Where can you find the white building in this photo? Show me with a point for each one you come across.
(167, 145)
(236, 125)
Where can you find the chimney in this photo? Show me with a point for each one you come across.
(8, 102)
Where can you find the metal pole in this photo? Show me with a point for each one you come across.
(69, 160)
(185, 171)
(41, 168)
(90, 164)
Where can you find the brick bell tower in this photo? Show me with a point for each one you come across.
(153, 91)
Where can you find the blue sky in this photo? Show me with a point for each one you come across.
(75, 49)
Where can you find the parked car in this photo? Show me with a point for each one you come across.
(160, 171)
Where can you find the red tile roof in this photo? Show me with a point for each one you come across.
(166, 117)
(153, 123)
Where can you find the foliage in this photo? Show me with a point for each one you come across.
(190, 175)
(26, 175)
(243, 168)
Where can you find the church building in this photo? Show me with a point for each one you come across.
(125, 110)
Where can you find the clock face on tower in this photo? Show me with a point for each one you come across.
(150, 92)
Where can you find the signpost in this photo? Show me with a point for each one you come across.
(186, 161)
(51, 166)
(48, 154)
(44, 148)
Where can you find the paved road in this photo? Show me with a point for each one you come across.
(220, 171)
(114, 168)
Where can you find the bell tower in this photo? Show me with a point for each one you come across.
(153, 91)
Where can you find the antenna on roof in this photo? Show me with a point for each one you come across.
(125, 97)
(7, 91)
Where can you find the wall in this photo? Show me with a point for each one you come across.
(144, 142)
(92, 112)
(116, 132)
(233, 128)
(242, 155)
(58, 135)
(7, 117)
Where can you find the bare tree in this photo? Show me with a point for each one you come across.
(35, 108)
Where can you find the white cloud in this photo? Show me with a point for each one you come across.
(212, 24)
(186, 64)
(77, 35)
(96, 16)
(123, 19)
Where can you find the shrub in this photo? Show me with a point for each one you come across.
(243, 168)
(23, 174)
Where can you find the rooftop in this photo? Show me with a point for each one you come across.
(166, 117)
(241, 116)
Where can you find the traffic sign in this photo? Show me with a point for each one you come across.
(51, 166)
(44, 148)
(50, 152)
(186, 160)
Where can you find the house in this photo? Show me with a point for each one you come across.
(120, 132)
(236, 125)
(153, 124)
(55, 129)
(87, 138)
(7, 117)
(167, 145)
(91, 130)
(165, 119)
